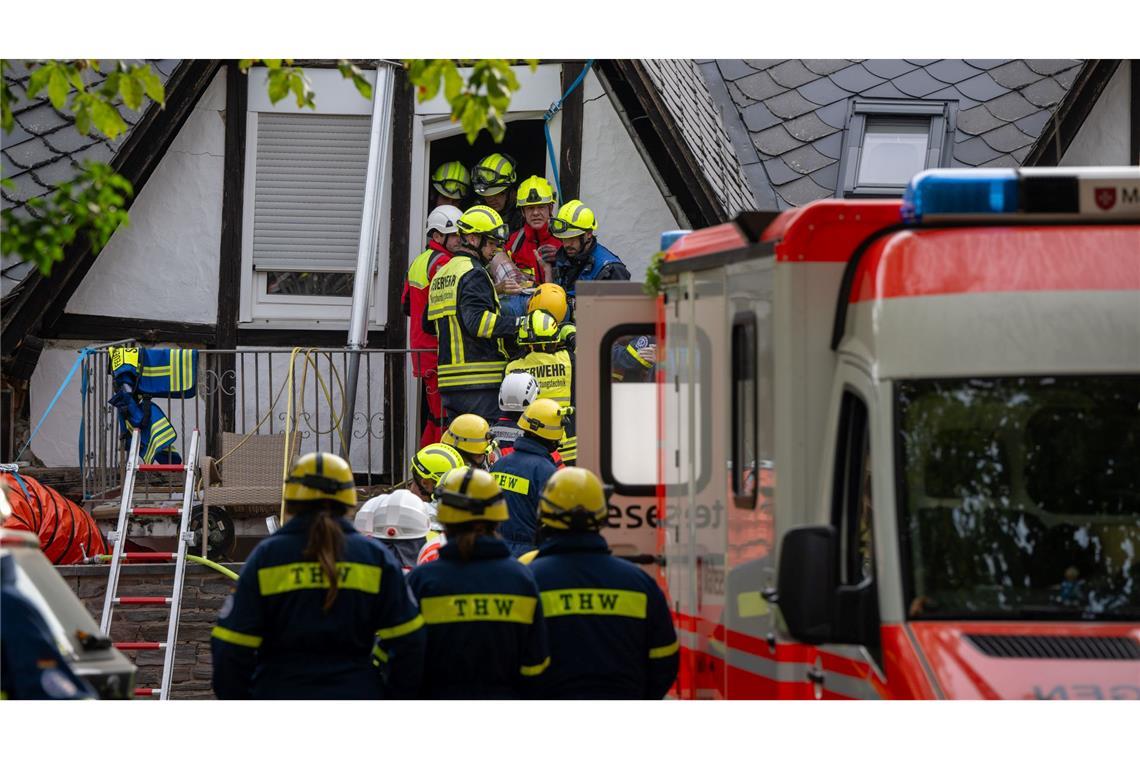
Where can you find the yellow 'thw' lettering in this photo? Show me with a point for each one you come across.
(476, 608)
(305, 575)
(594, 601)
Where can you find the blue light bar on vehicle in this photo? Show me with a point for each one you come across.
(1058, 192)
(670, 237)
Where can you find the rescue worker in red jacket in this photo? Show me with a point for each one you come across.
(312, 600)
(611, 635)
(463, 312)
(533, 246)
(485, 631)
(443, 239)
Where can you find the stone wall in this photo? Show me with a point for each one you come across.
(202, 597)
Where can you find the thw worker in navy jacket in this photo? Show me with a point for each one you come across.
(311, 602)
(611, 636)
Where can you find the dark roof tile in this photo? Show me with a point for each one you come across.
(922, 61)
(763, 63)
(1047, 67)
(885, 90)
(974, 151)
(54, 173)
(1068, 76)
(24, 187)
(951, 71)
(757, 117)
(791, 74)
(774, 141)
(732, 69)
(952, 93)
(1034, 122)
(42, 119)
(99, 151)
(808, 128)
(834, 115)
(977, 120)
(758, 86)
(824, 66)
(855, 78)
(789, 105)
(67, 141)
(888, 68)
(823, 91)
(1007, 139)
(806, 160)
(1013, 75)
(827, 177)
(16, 136)
(29, 153)
(802, 191)
(830, 146)
(980, 88)
(1020, 154)
(779, 173)
(1003, 161)
(1044, 93)
(1010, 107)
(985, 63)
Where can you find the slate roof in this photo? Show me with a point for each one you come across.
(680, 84)
(786, 118)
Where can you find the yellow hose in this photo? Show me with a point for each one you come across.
(193, 558)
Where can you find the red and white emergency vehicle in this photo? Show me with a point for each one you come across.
(893, 448)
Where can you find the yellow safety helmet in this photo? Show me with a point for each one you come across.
(535, 191)
(540, 328)
(320, 476)
(483, 220)
(545, 417)
(494, 174)
(572, 220)
(451, 179)
(469, 433)
(549, 297)
(435, 460)
(573, 499)
(468, 493)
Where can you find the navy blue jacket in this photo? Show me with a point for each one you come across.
(273, 640)
(31, 666)
(611, 635)
(522, 475)
(486, 636)
(598, 263)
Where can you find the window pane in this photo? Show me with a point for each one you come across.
(744, 457)
(894, 150)
(308, 284)
(633, 410)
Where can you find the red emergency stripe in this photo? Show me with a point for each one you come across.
(992, 260)
(830, 230)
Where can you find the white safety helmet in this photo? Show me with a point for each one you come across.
(442, 219)
(517, 391)
(398, 515)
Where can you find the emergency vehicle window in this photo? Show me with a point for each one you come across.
(851, 492)
(744, 412)
(632, 418)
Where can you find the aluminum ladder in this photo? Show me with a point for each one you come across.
(128, 508)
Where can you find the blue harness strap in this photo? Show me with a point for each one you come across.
(59, 392)
(555, 107)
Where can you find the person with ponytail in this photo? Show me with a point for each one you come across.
(320, 611)
(486, 638)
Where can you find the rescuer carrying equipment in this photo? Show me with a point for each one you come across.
(611, 634)
(486, 636)
(312, 600)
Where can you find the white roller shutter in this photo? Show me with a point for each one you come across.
(308, 191)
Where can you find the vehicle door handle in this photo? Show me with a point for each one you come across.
(770, 595)
(815, 675)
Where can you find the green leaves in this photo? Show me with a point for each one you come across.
(351, 71)
(480, 102)
(6, 100)
(284, 78)
(92, 206)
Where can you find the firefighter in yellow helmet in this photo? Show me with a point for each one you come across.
(451, 184)
(582, 257)
(463, 311)
(493, 179)
(470, 435)
(611, 635)
(552, 365)
(532, 247)
(523, 473)
(428, 466)
(313, 599)
(486, 634)
(552, 298)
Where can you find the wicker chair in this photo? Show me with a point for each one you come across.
(248, 481)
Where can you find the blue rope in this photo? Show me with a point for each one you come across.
(555, 107)
(74, 367)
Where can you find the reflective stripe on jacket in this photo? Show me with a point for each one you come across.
(555, 375)
(414, 301)
(522, 475)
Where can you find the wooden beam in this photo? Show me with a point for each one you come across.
(570, 157)
(222, 407)
(43, 299)
(1067, 120)
(399, 245)
(96, 328)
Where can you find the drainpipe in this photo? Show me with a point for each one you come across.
(382, 95)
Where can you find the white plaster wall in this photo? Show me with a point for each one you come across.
(1103, 138)
(164, 265)
(616, 184)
